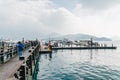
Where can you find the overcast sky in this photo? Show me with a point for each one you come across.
(21, 18)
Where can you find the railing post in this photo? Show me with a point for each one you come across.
(22, 72)
(7, 53)
(11, 52)
(1, 58)
(30, 58)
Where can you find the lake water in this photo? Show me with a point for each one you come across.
(80, 65)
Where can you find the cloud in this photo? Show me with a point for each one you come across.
(23, 16)
(89, 4)
(105, 22)
(32, 18)
(98, 4)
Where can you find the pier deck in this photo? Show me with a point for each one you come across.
(8, 69)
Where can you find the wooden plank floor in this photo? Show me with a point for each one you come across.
(8, 69)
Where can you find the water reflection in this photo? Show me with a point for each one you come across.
(91, 55)
(50, 56)
(54, 51)
(47, 56)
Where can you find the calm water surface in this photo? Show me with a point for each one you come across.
(80, 65)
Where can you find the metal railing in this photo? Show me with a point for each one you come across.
(10, 52)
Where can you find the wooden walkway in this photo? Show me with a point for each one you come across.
(8, 69)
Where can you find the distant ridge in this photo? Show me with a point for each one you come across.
(81, 37)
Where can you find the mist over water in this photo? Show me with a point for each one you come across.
(80, 65)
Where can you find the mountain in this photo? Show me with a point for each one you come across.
(56, 36)
(80, 37)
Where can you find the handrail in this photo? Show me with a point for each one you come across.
(10, 53)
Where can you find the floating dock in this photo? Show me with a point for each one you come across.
(80, 44)
(45, 49)
(83, 48)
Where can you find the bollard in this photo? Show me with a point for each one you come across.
(22, 58)
(16, 75)
(29, 51)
